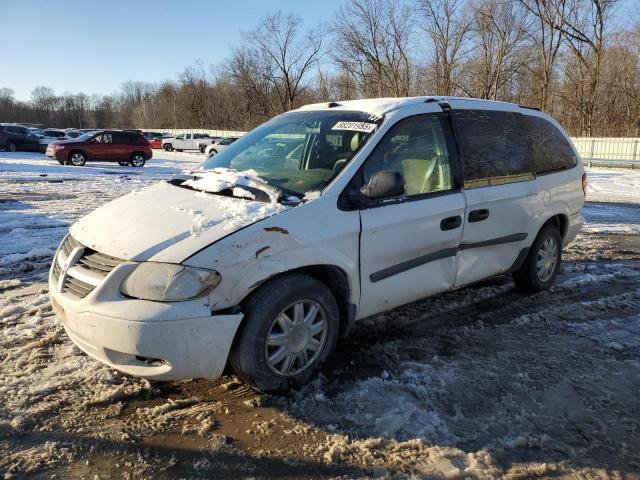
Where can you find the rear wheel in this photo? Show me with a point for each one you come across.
(202, 148)
(167, 147)
(290, 328)
(77, 159)
(540, 268)
(137, 160)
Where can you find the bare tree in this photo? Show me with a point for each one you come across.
(547, 39)
(499, 31)
(448, 25)
(372, 46)
(288, 53)
(583, 23)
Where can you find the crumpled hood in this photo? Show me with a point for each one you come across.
(166, 223)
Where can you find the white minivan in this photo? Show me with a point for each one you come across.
(321, 216)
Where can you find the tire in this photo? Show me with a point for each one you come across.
(202, 148)
(167, 147)
(60, 162)
(11, 147)
(137, 160)
(77, 159)
(540, 268)
(262, 364)
(212, 153)
(124, 164)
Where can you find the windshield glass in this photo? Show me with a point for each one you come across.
(299, 152)
(85, 136)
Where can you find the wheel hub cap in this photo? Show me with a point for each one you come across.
(296, 338)
(547, 259)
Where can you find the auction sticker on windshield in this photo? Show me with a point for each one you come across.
(355, 126)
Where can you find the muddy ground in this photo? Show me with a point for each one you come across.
(480, 382)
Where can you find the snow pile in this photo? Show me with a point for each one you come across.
(219, 179)
(613, 185)
(611, 218)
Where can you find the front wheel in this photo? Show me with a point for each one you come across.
(290, 328)
(540, 268)
(167, 147)
(202, 148)
(77, 159)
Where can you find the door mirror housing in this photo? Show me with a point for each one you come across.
(384, 184)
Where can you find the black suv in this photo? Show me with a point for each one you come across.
(17, 137)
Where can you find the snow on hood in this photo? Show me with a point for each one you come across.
(168, 223)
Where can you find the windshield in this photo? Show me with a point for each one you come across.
(85, 136)
(299, 152)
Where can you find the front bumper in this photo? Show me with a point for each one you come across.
(154, 340)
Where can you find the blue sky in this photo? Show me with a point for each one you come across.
(94, 46)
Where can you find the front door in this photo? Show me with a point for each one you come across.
(408, 243)
(100, 147)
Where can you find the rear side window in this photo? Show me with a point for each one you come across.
(551, 150)
(493, 147)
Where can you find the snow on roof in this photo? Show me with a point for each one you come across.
(380, 106)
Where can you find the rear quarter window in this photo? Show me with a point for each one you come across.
(493, 147)
(551, 150)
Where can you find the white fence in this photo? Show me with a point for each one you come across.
(212, 133)
(609, 151)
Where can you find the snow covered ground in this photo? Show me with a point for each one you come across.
(479, 382)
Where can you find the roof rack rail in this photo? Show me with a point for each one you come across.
(530, 108)
(444, 105)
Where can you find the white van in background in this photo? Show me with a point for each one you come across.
(319, 217)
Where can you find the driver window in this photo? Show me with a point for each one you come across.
(416, 148)
(188, 136)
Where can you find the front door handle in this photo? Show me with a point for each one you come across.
(450, 223)
(478, 215)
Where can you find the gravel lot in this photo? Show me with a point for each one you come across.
(479, 382)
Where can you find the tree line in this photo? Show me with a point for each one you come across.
(578, 60)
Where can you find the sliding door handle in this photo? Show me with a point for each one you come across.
(478, 215)
(450, 223)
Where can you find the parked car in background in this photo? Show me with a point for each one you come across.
(416, 196)
(73, 133)
(52, 135)
(188, 141)
(220, 145)
(126, 148)
(16, 137)
(154, 138)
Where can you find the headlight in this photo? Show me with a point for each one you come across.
(167, 282)
(58, 147)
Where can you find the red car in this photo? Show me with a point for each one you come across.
(154, 138)
(124, 147)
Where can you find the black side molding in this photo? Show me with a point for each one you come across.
(516, 237)
(413, 263)
(449, 252)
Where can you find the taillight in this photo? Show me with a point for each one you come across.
(584, 183)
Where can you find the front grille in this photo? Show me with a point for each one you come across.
(98, 262)
(85, 273)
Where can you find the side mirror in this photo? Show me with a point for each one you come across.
(384, 184)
